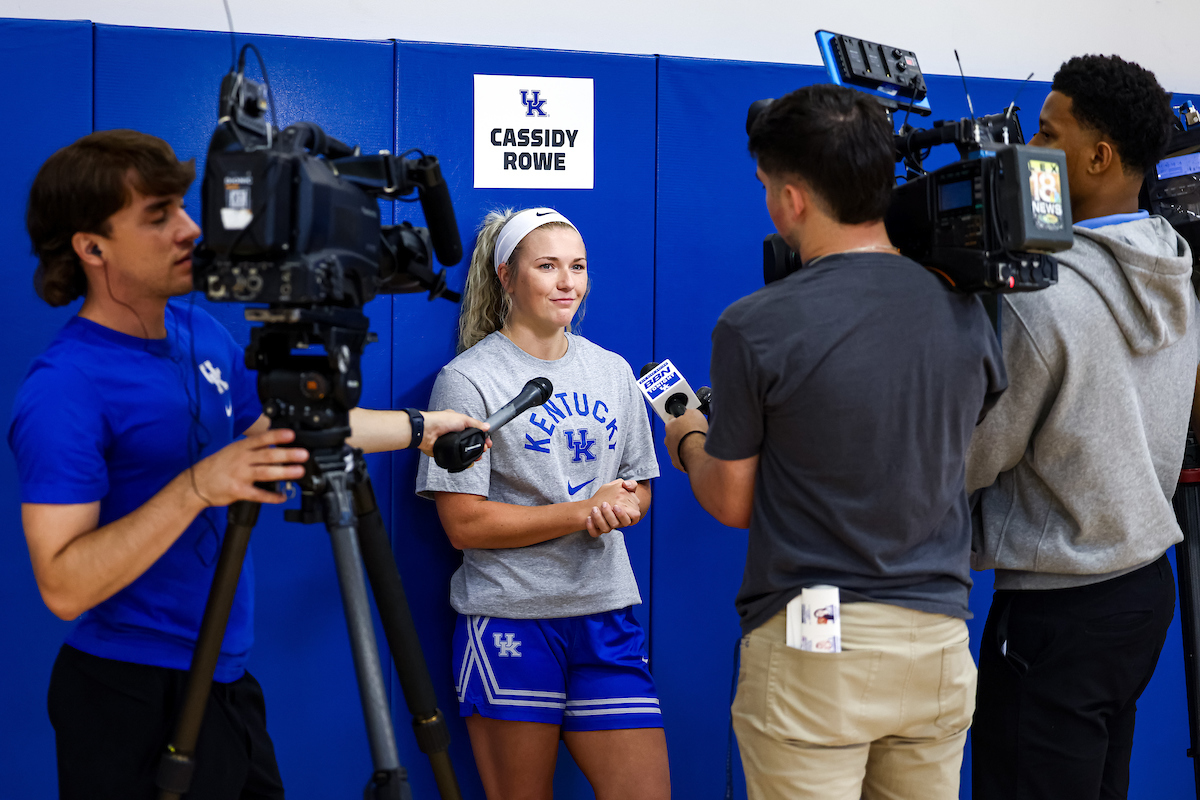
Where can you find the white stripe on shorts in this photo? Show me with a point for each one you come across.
(611, 701)
(597, 712)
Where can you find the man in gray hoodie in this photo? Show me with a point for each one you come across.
(1079, 459)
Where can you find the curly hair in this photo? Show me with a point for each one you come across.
(80, 187)
(1123, 102)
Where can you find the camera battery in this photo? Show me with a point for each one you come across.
(1034, 199)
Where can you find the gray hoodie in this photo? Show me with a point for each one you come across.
(1079, 459)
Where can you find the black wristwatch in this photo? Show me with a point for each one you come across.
(418, 427)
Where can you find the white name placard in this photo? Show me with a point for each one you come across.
(534, 132)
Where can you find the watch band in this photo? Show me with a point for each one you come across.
(417, 422)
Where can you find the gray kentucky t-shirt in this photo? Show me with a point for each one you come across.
(593, 430)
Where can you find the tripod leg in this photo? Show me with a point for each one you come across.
(428, 723)
(390, 781)
(175, 770)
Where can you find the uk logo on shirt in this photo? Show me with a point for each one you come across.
(213, 375)
(574, 408)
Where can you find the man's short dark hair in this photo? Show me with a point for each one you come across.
(80, 187)
(1123, 102)
(838, 141)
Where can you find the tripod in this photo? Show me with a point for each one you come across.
(313, 395)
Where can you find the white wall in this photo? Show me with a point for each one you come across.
(997, 39)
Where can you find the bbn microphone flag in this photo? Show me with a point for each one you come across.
(661, 384)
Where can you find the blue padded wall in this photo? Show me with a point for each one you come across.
(301, 654)
(49, 98)
(673, 229)
(434, 112)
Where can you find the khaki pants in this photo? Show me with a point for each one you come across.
(885, 719)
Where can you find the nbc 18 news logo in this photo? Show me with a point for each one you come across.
(532, 104)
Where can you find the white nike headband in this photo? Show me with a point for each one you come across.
(520, 226)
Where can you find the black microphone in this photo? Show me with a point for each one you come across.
(439, 212)
(456, 451)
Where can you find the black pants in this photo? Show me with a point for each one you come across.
(112, 720)
(1055, 708)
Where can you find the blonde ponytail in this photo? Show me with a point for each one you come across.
(485, 304)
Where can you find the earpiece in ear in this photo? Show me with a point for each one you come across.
(94, 250)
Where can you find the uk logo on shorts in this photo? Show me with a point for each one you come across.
(506, 645)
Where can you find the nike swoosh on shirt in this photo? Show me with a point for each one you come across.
(542, 214)
(571, 490)
(228, 407)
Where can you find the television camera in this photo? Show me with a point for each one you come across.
(986, 223)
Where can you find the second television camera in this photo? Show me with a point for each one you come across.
(987, 222)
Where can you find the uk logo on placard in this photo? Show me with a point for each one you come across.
(533, 103)
(534, 132)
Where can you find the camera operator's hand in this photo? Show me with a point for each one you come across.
(230, 473)
(614, 505)
(438, 423)
(692, 420)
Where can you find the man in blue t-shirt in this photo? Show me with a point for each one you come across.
(127, 433)
(844, 397)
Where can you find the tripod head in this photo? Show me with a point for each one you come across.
(310, 394)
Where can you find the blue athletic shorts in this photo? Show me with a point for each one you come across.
(586, 673)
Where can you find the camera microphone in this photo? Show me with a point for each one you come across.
(439, 211)
(456, 451)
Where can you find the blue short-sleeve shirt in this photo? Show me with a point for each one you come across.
(104, 416)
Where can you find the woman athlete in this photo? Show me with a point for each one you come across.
(546, 645)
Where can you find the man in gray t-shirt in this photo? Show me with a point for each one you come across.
(593, 430)
(844, 397)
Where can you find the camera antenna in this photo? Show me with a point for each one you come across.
(967, 92)
(1013, 104)
(232, 43)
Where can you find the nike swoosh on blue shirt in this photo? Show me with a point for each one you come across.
(228, 407)
(571, 490)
